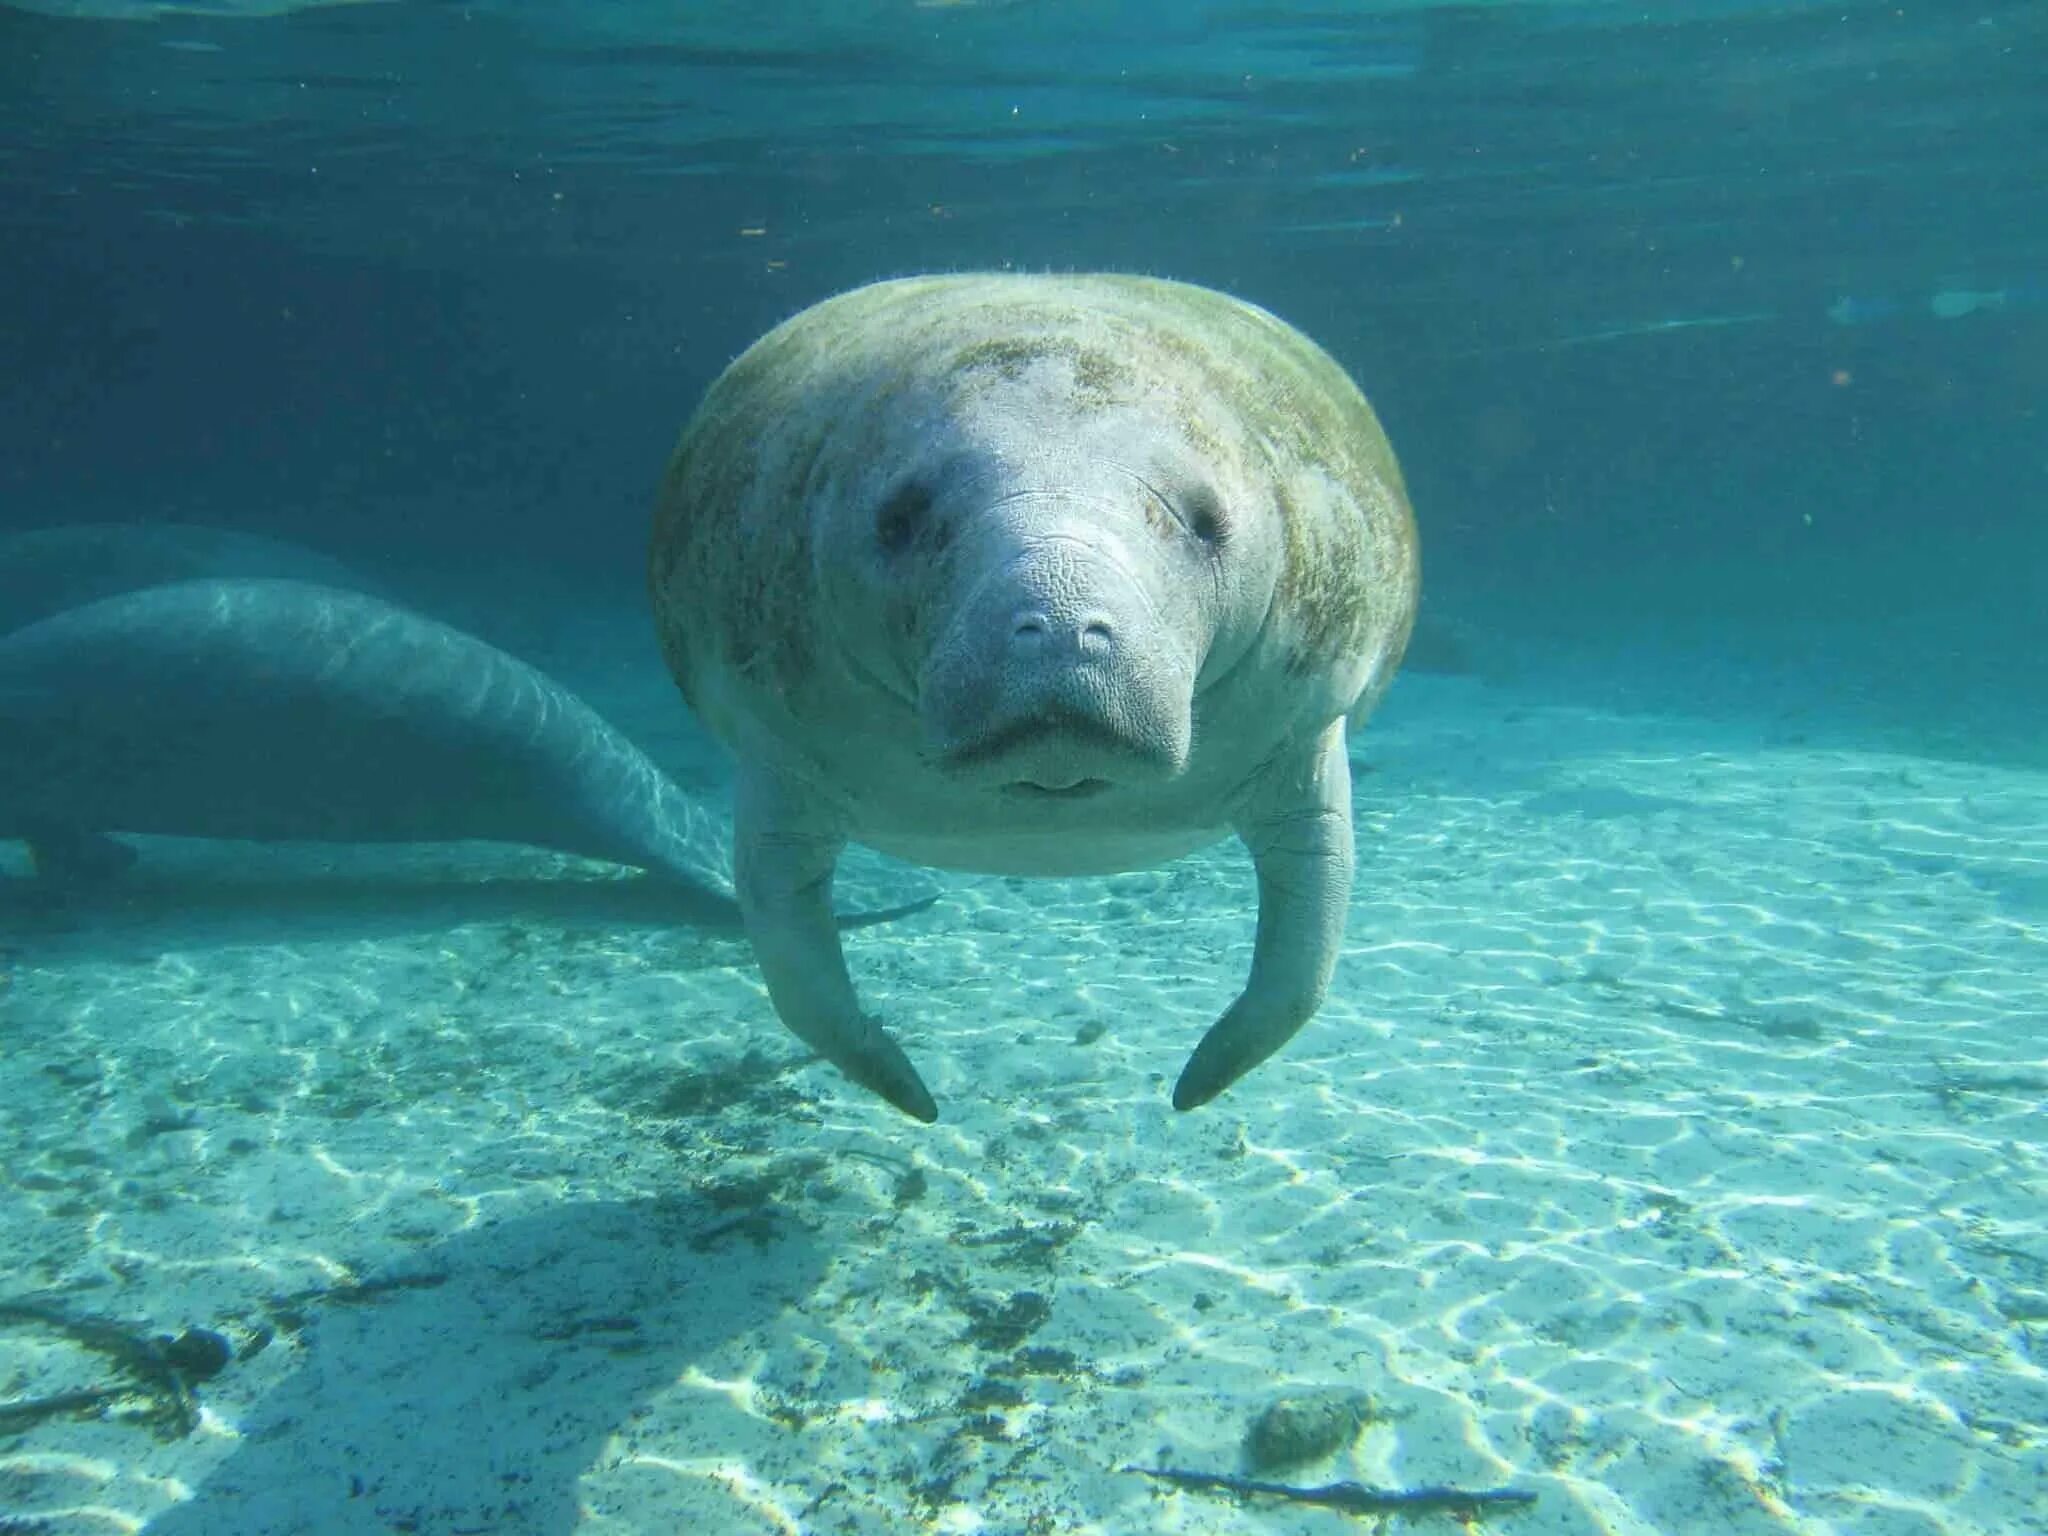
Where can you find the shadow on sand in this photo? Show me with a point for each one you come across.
(230, 894)
(168, 908)
(471, 1388)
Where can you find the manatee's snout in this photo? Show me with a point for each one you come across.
(1057, 676)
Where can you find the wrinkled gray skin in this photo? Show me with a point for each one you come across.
(287, 710)
(47, 570)
(1035, 575)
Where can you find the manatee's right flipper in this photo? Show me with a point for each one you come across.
(72, 856)
(783, 857)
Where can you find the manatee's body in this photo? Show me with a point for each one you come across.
(47, 570)
(291, 711)
(1035, 575)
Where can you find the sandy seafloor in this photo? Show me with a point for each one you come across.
(1672, 1145)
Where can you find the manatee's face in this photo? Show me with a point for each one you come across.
(1050, 585)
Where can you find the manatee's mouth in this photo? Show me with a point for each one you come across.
(1080, 789)
(1046, 733)
(1059, 756)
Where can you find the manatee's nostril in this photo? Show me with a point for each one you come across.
(1033, 631)
(1094, 635)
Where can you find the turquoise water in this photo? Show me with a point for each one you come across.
(1671, 1145)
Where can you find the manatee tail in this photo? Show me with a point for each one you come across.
(692, 851)
(705, 909)
(870, 919)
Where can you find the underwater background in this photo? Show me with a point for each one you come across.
(1673, 1145)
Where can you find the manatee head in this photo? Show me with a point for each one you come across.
(1062, 558)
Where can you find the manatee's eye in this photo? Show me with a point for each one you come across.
(903, 516)
(1202, 510)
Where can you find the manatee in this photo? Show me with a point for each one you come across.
(47, 570)
(1035, 575)
(286, 710)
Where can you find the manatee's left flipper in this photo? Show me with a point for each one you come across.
(783, 856)
(72, 856)
(1297, 824)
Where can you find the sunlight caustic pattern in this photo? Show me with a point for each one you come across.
(1671, 1146)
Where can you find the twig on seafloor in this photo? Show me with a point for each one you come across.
(151, 1364)
(22, 1413)
(1353, 1498)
